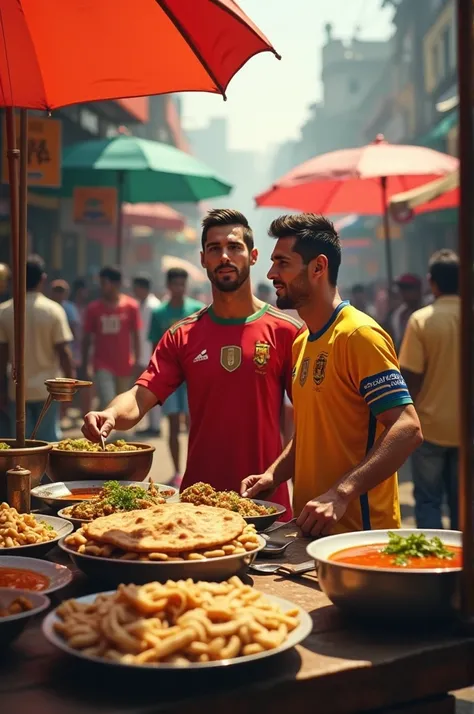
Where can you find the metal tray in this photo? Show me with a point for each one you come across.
(294, 638)
(115, 571)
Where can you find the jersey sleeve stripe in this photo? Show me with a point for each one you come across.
(381, 394)
(282, 316)
(390, 402)
(188, 320)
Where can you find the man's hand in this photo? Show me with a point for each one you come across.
(320, 514)
(97, 424)
(253, 486)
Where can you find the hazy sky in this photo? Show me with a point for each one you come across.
(268, 100)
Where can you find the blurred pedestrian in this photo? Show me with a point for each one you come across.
(60, 292)
(410, 289)
(360, 300)
(113, 321)
(47, 353)
(5, 277)
(429, 358)
(80, 299)
(176, 308)
(148, 302)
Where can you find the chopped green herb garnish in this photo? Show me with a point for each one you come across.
(416, 545)
(124, 498)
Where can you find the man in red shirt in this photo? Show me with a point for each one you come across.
(235, 357)
(113, 321)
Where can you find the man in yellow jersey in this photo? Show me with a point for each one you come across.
(355, 423)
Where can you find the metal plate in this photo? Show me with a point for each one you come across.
(262, 522)
(53, 494)
(59, 575)
(294, 638)
(37, 550)
(114, 571)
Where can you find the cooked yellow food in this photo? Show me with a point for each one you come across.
(177, 531)
(4, 446)
(86, 445)
(177, 622)
(22, 528)
(18, 605)
(203, 494)
(114, 497)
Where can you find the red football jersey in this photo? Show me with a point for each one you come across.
(236, 372)
(112, 327)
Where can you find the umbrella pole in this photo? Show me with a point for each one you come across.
(21, 305)
(386, 231)
(465, 18)
(13, 155)
(121, 179)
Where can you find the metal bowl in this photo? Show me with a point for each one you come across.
(114, 571)
(55, 494)
(263, 522)
(12, 625)
(386, 592)
(58, 575)
(33, 457)
(105, 465)
(37, 550)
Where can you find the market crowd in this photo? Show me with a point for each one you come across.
(330, 392)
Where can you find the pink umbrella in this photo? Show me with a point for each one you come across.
(360, 180)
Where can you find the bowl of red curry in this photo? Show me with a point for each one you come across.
(406, 573)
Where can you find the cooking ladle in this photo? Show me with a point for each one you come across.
(61, 389)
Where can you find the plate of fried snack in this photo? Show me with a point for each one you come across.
(114, 497)
(182, 624)
(173, 540)
(26, 534)
(261, 513)
(16, 607)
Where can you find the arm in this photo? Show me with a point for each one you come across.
(414, 382)
(413, 358)
(280, 471)
(123, 413)
(65, 359)
(162, 376)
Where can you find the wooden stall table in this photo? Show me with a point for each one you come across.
(343, 667)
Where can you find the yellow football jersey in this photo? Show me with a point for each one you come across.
(344, 376)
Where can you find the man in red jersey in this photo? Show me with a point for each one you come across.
(235, 357)
(113, 321)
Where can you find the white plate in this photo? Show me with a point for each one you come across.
(59, 575)
(294, 638)
(55, 494)
(36, 550)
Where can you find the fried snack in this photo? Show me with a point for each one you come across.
(22, 528)
(246, 542)
(203, 494)
(86, 445)
(113, 498)
(178, 623)
(18, 605)
(171, 528)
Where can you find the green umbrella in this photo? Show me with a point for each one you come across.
(143, 171)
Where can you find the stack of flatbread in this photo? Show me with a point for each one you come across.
(174, 531)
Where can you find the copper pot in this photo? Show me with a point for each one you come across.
(34, 457)
(116, 465)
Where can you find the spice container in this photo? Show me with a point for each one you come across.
(19, 488)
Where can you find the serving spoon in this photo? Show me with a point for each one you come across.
(282, 569)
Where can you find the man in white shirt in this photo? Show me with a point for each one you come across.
(47, 353)
(147, 302)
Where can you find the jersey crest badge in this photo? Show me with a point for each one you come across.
(231, 357)
(261, 353)
(319, 369)
(304, 371)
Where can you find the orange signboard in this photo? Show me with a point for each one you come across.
(44, 152)
(96, 205)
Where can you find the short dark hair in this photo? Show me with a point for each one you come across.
(79, 284)
(35, 269)
(444, 271)
(226, 217)
(111, 273)
(142, 281)
(315, 235)
(176, 274)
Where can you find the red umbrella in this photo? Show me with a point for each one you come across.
(360, 180)
(59, 52)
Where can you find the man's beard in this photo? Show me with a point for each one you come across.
(296, 294)
(232, 283)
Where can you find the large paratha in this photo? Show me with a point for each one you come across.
(169, 528)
